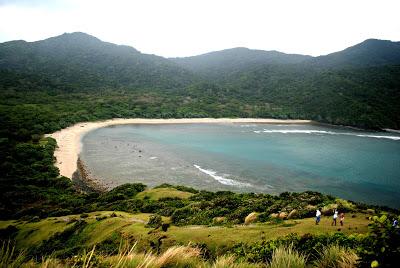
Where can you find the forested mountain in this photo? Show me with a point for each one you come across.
(216, 63)
(370, 53)
(79, 60)
(359, 86)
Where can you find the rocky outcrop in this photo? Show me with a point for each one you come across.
(84, 181)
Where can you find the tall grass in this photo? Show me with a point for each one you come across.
(231, 262)
(284, 257)
(335, 256)
(8, 256)
(178, 256)
(332, 256)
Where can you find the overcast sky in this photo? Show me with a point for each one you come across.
(186, 27)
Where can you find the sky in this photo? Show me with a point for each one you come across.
(178, 28)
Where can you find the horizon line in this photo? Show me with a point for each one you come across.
(195, 55)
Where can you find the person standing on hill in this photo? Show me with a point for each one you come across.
(335, 215)
(341, 218)
(317, 216)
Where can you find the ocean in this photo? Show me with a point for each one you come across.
(263, 158)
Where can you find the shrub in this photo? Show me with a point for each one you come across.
(309, 245)
(219, 220)
(165, 227)
(382, 244)
(122, 192)
(100, 218)
(155, 221)
(111, 245)
(263, 217)
(251, 218)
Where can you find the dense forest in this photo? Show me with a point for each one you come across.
(358, 86)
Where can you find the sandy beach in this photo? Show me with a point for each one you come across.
(69, 139)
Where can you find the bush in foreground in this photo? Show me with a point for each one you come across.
(283, 257)
(335, 256)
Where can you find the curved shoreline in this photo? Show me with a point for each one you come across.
(69, 139)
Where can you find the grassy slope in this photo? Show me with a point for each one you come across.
(158, 193)
(133, 226)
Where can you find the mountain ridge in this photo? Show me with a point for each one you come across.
(358, 86)
(61, 56)
(81, 36)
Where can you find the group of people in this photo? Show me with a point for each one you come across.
(334, 220)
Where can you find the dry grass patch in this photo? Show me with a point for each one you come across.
(284, 257)
(336, 256)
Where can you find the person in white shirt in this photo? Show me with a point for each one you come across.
(318, 216)
(335, 215)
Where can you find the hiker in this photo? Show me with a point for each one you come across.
(335, 215)
(341, 218)
(395, 223)
(317, 216)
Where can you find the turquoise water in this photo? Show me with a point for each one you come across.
(356, 165)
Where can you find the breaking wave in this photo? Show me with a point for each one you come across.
(310, 131)
(221, 179)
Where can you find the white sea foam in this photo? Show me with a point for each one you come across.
(311, 131)
(221, 179)
(297, 131)
(396, 138)
(392, 130)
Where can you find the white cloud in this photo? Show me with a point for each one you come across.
(185, 27)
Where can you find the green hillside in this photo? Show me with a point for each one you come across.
(102, 226)
(251, 243)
